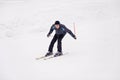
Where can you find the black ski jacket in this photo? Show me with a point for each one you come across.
(62, 30)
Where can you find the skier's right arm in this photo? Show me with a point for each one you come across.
(51, 30)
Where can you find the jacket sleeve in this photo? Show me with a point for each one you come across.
(51, 29)
(69, 31)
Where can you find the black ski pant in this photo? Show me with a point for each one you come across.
(59, 44)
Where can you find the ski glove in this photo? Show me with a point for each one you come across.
(74, 37)
(48, 35)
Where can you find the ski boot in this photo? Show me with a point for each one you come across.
(48, 54)
(58, 54)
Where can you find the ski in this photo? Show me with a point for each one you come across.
(42, 57)
(48, 57)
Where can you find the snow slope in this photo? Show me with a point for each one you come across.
(24, 25)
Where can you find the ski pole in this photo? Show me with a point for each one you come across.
(74, 28)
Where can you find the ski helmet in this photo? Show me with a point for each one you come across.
(57, 22)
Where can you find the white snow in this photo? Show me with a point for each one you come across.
(95, 54)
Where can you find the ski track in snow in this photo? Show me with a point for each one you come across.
(93, 56)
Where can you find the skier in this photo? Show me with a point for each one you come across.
(61, 31)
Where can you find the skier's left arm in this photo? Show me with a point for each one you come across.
(70, 32)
